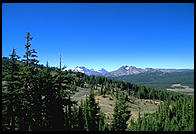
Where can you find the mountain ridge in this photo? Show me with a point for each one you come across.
(124, 70)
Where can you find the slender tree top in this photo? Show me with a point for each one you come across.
(13, 52)
(29, 38)
(13, 55)
(60, 61)
(47, 64)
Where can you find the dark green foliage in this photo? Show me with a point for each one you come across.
(121, 114)
(11, 93)
(33, 99)
(159, 79)
(31, 94)
(110, 86)
(81, 120)
(102, 125)
(5, 66)
(52, 106)
(92, 113)
(177, 116)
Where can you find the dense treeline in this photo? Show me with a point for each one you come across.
(110, 86)
(159, 79)
(177, 116)
(37, 97)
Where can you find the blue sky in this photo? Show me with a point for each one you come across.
(104, 35)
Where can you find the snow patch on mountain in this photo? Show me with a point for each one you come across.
(127, 68)
(90, 71)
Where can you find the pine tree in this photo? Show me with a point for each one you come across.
(28, 78)
(94, 110)
(11, 93)
(121, 114)
(32, 94)
(101, 122)
(48, 96)
(116, 120)
(91, 112)
(81, 120)
(59, 119)
(74, 118)
(86, 114)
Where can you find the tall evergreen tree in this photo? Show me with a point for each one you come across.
(11, 93)
(81, 121)
(91, 112)
(121, 114)
(30, 99)
(62, 88)
(94, 110)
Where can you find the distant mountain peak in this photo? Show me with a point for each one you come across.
(102, 71)
(79, 69)
(87, 71)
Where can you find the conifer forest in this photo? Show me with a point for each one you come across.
(39, 97)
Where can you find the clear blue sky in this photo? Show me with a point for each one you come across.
(103, 35)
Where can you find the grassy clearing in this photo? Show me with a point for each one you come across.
(182, 89)
(107, 104)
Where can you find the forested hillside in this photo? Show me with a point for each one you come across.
(159, 79)
(37, 97)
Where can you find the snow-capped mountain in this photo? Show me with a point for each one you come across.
(102, 71)
(79, 69)
(128, 70)
(124, 70)
(82, 69)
